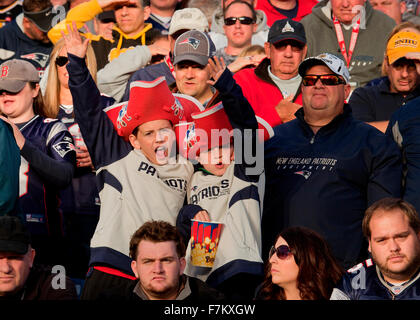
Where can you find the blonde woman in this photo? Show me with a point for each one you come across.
(79, 202)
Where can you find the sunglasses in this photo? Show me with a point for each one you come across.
(326, 80)
(281, 251)
(61, 61)
(242, 20)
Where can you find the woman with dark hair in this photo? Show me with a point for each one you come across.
(300, 267)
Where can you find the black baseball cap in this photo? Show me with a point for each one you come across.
(43, 19)
(14, 237)
(286, 29)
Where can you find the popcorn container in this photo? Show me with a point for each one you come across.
(204, 242)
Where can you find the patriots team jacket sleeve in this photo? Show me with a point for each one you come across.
(52, 167)
(102, 141)
(240, 113)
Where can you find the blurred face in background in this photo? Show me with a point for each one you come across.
(343, 9)
(239, 35)
(130, 16)
(33, 32)
(392, 8)
(104, 27)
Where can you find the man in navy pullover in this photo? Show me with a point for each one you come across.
(324, 168)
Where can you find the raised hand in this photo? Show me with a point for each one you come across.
(216, 66)
(242, 62)
(75, 44)
(416, 57)
(112, 4)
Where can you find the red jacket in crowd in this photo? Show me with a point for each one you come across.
(305, 8)
(262, 93)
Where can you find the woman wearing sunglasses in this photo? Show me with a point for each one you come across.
(300, 267)
(80, 201)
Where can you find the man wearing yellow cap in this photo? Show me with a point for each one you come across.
(404, 128)
(375, 104)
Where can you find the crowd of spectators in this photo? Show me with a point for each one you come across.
(293, 123)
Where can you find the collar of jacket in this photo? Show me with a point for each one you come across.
(395, 290)
(330, 127)
(261, 71)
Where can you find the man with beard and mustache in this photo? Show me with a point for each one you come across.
(392, 227)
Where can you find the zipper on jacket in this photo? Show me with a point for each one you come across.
(312, 140)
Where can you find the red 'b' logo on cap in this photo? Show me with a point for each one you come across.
(4, 71)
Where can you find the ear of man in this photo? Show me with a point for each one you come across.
(134, 268)
(134, 141)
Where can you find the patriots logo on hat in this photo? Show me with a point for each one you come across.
(192, 42)
(123, 117)
(288, 28)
